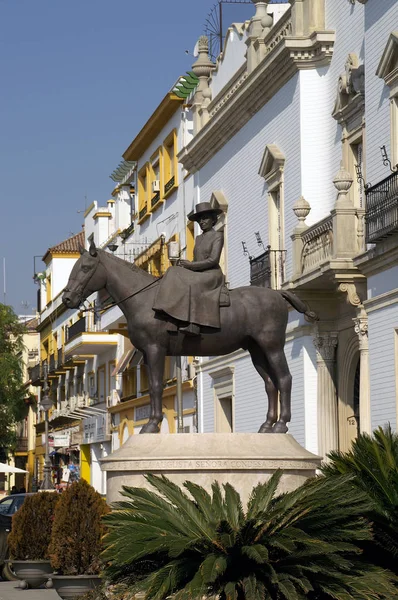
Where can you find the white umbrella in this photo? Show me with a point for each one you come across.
(8, 469)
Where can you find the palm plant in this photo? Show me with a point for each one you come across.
(301, 545)
(373, 464)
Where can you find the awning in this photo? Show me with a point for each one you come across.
(131, 358)
(123, 362)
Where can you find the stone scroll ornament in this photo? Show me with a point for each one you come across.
(260, 330)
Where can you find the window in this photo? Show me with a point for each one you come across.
(48, 289)
(388, 70)
(170, 163)
(156, 185)
(5, 506)
(101, 383)
(129, 383)
(190, 240)
(143, 193)
(224, 415)
(272, 168)
(223, 386)
(355, 161)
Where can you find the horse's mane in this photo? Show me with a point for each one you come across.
(127, 264)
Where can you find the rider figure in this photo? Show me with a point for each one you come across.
(190, 292)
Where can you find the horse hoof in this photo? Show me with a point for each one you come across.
(150, 427)
(280, 427)
(265, 428)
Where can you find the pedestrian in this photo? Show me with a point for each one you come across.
(14, 490)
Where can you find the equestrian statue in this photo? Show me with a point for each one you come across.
(189, 312)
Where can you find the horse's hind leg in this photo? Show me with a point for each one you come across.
(261, 365)
(282, 378)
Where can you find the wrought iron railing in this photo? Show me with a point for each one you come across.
(60, 358)
(155, 199)
(268, 269)
(382, 209)
(127, 232)
(51, 363)
(317, 244)
(143, 212)
(76, 328)
(169, 184)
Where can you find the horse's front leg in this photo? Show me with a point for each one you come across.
(155, 357)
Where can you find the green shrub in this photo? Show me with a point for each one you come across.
(298, 546)
(373, 464)
(78, 530)
(31, 527)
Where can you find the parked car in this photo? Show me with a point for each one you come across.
(8, 507)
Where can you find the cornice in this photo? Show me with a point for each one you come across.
(153, 126)
(232, 109)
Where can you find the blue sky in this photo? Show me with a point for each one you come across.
(79, 79)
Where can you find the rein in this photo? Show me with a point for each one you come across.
(92, 309)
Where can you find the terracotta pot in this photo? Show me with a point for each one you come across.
(72, 586)
(31, 573)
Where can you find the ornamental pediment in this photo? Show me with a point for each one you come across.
(272, 162)
(388, 66)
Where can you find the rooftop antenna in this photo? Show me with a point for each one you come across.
(214, 26)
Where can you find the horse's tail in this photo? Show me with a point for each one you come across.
(299, 305)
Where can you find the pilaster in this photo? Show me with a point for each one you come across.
(326, 344)
(344, 217)
(361, 329)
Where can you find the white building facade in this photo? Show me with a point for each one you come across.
(288, 128)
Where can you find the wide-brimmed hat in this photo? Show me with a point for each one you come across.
(204, 207)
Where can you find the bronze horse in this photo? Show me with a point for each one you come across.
(256, 321)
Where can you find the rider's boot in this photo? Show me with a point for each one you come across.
(190, 329)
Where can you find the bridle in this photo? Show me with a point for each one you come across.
(81, 292)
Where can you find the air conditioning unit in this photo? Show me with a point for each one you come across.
(155, 186)
(191, 371)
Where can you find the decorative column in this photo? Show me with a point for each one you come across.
(361, 329)
(301, 209)
(328, 438)
(202, 69)
(260, 24)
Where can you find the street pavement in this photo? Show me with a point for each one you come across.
(9, 590)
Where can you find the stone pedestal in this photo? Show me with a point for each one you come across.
(241, 459)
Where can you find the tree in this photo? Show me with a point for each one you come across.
(299, 546)
(12, 393)
(373, 464)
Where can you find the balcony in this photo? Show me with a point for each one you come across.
(382, 209)
(21, 445)
(83, 338)
(35, 374)
(267, 270)
(317, 244)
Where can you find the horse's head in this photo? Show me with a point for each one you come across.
(87, 276)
